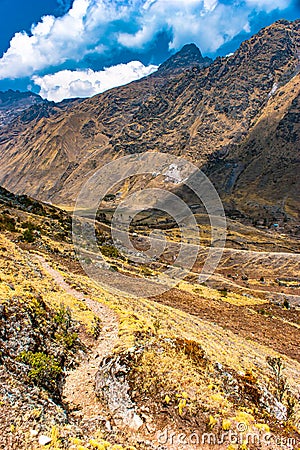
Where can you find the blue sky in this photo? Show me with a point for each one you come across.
(65, 48)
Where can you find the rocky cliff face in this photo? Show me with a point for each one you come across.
(207, 114)
(188, 58)
(259, 176)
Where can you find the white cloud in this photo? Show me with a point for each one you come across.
(100, 27)
(207, 23)
(210, 5)
(64, 5)
(268, 5)
(85, 83)
(52, 42)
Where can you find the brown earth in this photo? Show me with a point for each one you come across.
(268, 330)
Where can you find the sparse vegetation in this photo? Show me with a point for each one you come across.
(144, 270)
(43, 369)
(286, 304)
(110, 251)
(281, 387)
(280, 381)
(7, 223)
(193, 357)
(28, 236)
(43, 340)
(109, 197)
(29, 225)
(223, 292)
(96, 327)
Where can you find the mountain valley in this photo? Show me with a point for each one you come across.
(211, 364)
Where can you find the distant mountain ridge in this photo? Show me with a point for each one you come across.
(14, 103)
(221, 117)
(28, 106)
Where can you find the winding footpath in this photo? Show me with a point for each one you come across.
(79, 388)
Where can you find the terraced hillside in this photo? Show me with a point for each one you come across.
(82, 368)
(87, 366)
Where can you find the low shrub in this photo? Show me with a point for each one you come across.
(110, 251)
(43, 369)
(28, 236)
(7, 223)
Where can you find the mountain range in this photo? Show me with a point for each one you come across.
(237, 118)
(104, 361)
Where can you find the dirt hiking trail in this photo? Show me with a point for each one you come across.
(78, 391)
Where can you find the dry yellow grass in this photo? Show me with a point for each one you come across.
(187, 388)
(21, 276)
(218, 343)
(214, 294)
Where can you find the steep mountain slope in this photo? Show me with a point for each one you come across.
(31, 206)
(188, 57)
(83, 367)
(13, 103)
(259, 177)
(195, 112)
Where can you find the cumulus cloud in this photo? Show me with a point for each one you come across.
(268, 5)
(85, 83)
(64, 5)
(101, 27)
(52, 42)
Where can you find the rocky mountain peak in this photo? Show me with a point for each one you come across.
(189, 56)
